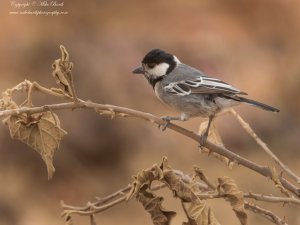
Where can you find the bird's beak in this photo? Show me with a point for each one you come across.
(138, 70)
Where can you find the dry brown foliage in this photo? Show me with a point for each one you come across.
(39, 127)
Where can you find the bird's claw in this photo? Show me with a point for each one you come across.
(164, 126)
(203, 139)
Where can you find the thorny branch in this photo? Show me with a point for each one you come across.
(266, 213)
(125, 112)
(28, 115)
(264, 146)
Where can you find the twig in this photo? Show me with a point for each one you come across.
(266, 213)
(47, 91)
(117, 110)
(95, 209)
(99, 201)
(269, 198)
(98, 206)
(92, 220)
(264, 146)
(186, 212)
(29, 86)
(258, 197)
(203, 177)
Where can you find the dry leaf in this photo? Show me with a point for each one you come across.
(40, 131)
(213, 134)
(214, 137)
(6, 102)
(179, 188)
(62, 71)
(143, 180)
(199, 213)
(228, 187)
(153, 205)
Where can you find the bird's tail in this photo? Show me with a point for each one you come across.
(258, 104)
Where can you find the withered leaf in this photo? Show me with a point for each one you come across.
(143, 180)
(228, 187)
(40, 131)
(6, 102)
(213, 134)
(214, 137)
(62, 71)
(153, 205)
(199, 213)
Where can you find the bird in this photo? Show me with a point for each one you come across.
(190, 91)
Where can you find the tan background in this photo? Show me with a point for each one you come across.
(253, 45)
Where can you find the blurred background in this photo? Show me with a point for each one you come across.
(254, 45)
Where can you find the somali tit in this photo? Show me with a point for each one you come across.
(188, 90)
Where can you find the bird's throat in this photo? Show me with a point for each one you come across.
(154, 79)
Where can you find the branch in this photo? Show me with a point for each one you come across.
(126, 112)
(269, 198)
(266, 213)
(99, 201)
(258, 197)
(203, 177)
(99, 205)
(264, 146)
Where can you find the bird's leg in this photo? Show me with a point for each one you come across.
(204, 136)
(167, 120)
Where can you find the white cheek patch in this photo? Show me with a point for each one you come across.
(159, 70)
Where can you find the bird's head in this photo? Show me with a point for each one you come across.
(157, 63)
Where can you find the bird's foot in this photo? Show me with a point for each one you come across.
(203, 139)
(167, 120)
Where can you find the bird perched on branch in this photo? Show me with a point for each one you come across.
(188, 90)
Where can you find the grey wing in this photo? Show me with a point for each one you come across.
(201, 85)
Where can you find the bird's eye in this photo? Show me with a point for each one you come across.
(151, 65)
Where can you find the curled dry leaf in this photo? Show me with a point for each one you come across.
(198, 211)
(213, 134)
(214, 137)
(40, 131)
(6, 102)
(62, 72)
(228, 187)
(153, 205)
(180, 189)
(143, 180)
